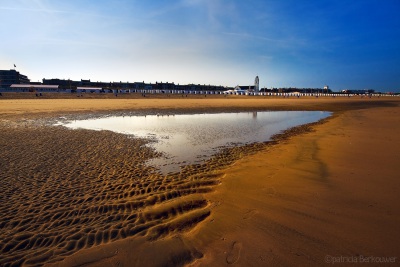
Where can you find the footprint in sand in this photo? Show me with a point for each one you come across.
(270, 191)
(234, 253)
(250, 213)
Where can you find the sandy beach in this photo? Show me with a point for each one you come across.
(322, 194)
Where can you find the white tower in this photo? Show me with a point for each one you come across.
(256, 84)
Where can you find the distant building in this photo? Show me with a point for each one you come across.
(66, 84)
(250, 88)
(33, 88)
(9, 77)
(88, 89)
(245, 87)
(256, 84)
(164, 86)
(358, 92)
(326, 87)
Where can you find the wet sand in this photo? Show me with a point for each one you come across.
(72, 198)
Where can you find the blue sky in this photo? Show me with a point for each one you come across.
(344, 44)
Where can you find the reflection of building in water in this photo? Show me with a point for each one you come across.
(254, 114)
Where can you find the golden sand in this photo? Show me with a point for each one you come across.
(79, 197)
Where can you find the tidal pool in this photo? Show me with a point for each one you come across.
(191, 139)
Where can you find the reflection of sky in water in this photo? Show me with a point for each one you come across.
(193, 138)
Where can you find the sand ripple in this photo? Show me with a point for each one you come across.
(63, 190)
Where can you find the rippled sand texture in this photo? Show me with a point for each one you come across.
(65, 190)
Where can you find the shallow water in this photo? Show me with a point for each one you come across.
(190, 139)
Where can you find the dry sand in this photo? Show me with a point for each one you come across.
(35, 107)
(325, 192)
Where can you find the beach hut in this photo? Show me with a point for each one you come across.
(88, 89)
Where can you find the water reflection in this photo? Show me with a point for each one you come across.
(188, 139)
